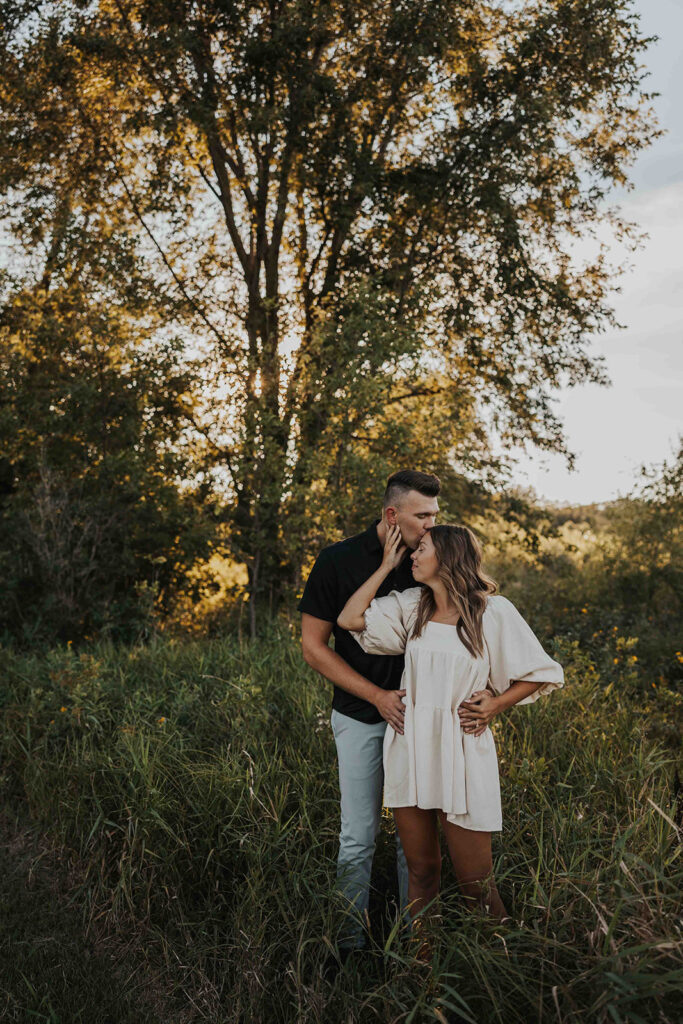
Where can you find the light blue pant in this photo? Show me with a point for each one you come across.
(361, 778)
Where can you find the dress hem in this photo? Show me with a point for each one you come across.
(470, 828)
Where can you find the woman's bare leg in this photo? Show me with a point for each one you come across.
(470, 854)
(419, 832)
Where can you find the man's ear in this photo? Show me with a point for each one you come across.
(390, 513)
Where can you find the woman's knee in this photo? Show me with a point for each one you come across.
(425, 871)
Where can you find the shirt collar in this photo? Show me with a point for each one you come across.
(371, 539)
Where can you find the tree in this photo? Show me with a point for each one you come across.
(646, 546)
(96, 527)
(362, 213)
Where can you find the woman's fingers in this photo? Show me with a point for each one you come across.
(474, 722)
(394, 548)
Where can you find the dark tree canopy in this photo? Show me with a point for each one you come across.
(359, 216)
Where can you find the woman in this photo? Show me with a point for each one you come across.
(460, 641)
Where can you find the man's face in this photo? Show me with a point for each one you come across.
(415, 514)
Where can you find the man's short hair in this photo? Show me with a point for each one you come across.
(406, 480)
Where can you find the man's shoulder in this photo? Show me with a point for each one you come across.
(340, 548)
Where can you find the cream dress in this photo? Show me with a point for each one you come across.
(435, 763)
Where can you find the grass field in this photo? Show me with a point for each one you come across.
(169, 835)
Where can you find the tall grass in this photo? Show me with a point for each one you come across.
(195, 787)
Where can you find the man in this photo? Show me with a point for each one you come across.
(365, 685)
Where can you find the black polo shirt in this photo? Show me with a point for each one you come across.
(339, 571)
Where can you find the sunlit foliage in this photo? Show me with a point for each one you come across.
(358, 215)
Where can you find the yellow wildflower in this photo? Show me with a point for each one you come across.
(62, 708)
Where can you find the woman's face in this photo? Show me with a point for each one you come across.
(425, 562)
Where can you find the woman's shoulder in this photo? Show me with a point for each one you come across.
(408, 599)
(498, 607)
(502, 616)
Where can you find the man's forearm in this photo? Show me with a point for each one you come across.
(331, 665)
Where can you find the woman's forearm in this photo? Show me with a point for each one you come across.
(518, 690)
(352, 615)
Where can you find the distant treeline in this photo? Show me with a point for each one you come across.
(103, 534)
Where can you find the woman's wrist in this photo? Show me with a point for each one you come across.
(373, 584)
(498, 703)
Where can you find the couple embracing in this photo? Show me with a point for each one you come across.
(425, 655)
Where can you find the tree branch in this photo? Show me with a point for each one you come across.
(138, 214)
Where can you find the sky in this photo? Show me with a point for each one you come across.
(638, 420)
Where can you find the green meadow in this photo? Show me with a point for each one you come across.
(169, 834)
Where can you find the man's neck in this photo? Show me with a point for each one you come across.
(382, 531)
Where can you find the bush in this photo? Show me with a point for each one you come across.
(102, 509)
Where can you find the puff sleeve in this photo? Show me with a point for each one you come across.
(389, 622)
(515, 651)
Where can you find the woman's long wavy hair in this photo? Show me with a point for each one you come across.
(459, 555)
